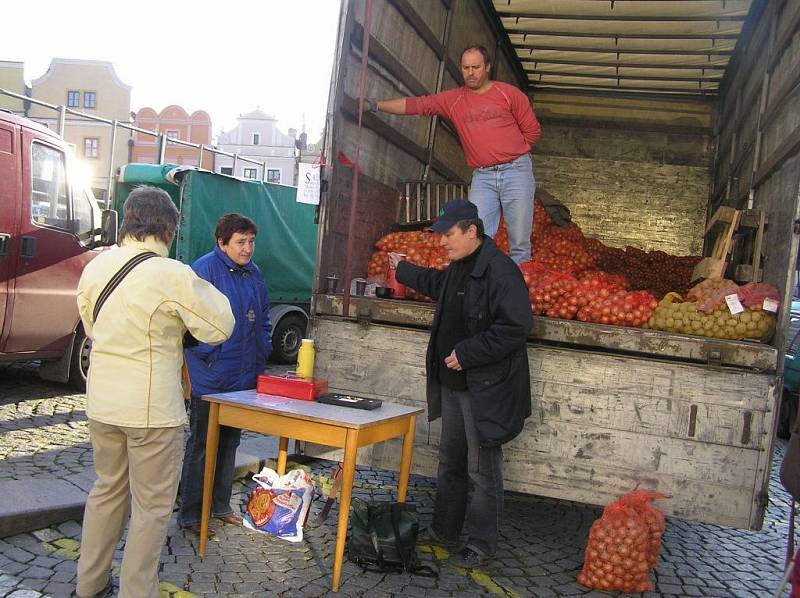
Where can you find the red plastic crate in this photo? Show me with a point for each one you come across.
(291, 386)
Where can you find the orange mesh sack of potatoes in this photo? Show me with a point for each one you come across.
(641, 502)
(618, 552)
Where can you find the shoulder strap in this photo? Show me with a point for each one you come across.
(117, 278)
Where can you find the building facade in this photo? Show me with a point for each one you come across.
(92, 87)
(312, 154)
(257, 137)
(174, 122)
(12, 78)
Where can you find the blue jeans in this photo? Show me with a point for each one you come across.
(507, 189)
(461, 460)
(194, 460)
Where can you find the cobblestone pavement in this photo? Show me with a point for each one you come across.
(43, 433)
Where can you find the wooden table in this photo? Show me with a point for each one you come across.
(341, 427)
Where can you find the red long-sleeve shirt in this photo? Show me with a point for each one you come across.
(496, 126)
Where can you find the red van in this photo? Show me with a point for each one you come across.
(50, 227)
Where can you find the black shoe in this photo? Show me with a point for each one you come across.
(430, 536)
(470, 558)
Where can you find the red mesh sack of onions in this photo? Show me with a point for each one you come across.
(617, 553)
(619, 308)
(532, 271)
(753, 294)
(501, 237)
(553, 295)
(598, 279)
(378, 264)
(641, 502)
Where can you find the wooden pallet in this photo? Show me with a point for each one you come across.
(722, 225)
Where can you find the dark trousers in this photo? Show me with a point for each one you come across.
(194, 460)
(461, 460)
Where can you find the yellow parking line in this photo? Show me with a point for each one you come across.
(482, 579)
(168, 590)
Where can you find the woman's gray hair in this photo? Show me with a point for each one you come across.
(149, 211)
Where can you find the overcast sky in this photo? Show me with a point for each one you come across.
(226, 58)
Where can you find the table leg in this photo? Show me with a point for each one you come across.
(283, 453)
(348, 474)
(212, 444)
(405, 460)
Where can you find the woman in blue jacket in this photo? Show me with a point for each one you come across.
(233, 365)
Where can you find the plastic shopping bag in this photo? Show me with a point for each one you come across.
(279, 505)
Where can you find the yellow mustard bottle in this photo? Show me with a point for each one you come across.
(305, 359)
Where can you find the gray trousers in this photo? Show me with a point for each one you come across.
(461, 460)
(137, 474)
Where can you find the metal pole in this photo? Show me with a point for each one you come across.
(109, 195)
(235, 162)
(448, 21)
(428, 202)
(418, 200)
(408, 202)
(161, 151)
(62, 119)
(202, 147)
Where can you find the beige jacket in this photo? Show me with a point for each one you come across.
(135, 368)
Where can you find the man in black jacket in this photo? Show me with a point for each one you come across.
(477, 376)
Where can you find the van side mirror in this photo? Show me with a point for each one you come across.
(108, 235)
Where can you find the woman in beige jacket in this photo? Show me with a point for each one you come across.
(134, 398)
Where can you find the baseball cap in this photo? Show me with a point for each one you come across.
(454, 211)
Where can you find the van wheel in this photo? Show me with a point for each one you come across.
(79, 365)
(287, 337)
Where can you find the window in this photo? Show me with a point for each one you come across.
(73, 99)
(173, 134)
(90, 147)
(89, 99)
(82, 215)
(49, 197)
(250, 173)
(273, 175)
(256, 138)
(226, 170)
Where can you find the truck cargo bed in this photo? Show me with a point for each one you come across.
(601, 425)
(653, 343)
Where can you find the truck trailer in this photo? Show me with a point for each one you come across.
(654, 116)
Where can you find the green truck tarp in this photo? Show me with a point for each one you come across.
(155, 175)
(287, 236)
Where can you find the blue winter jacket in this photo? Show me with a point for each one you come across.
(236, 363)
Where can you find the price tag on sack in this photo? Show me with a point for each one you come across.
(770, 305)
(734, 305)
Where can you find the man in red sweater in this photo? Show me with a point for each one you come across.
(497, 127)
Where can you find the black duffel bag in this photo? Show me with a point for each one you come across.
(383, 537)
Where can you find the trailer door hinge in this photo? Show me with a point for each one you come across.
(762, 499)
(714, 357)
(364, 315)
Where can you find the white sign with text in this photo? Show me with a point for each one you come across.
(308, 183)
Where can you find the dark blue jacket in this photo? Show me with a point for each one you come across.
(494, 356)
(236, 363)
